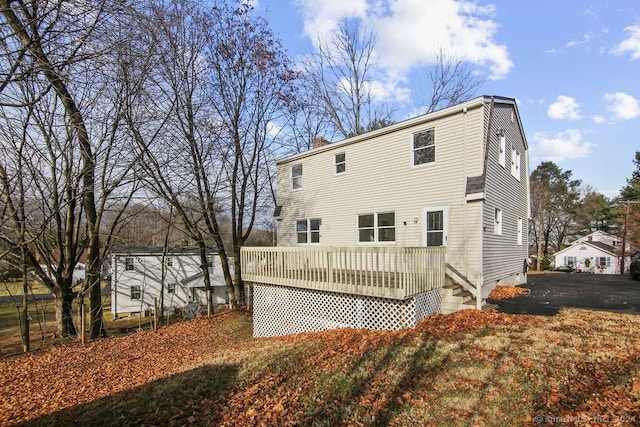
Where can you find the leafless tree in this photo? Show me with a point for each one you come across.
(63, 47)
(339, 75)
(452, 81)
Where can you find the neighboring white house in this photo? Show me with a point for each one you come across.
(136, 278)
(598, 252)
(454, 178)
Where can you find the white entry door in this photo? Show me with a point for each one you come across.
(436, 226)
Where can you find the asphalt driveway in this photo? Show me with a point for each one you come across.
(549, 292)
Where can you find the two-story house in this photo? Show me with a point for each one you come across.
(456, 178)
(138, 276)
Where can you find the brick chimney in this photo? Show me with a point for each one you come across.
(320, 142)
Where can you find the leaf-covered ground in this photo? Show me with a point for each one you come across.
(469, 368)
(507, 292)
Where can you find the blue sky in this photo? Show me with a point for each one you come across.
(572, 65)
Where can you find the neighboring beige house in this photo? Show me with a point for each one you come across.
(456, 178)
(136, 278)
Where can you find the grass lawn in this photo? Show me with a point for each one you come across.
(469, 368)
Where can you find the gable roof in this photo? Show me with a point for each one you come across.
(600, 246)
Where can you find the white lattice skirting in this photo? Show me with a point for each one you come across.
(282, 310)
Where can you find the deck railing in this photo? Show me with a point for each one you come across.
(386, 272)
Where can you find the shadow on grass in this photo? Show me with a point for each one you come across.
(169, 401)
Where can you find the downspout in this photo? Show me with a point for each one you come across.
(484, 174)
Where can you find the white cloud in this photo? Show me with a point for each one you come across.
(576, 42)
(599, 120)
(565, 107)
(622, 105)
(568, 144)
(411, 32)
(631, 44)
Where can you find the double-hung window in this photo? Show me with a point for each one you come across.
(502, 149)
(128, 263)
(341, 163)
(171, 288)
(296, 177)
(308, 231)
(377, 227)
(424, 147)
(136, 292)
(497, 222)
(515, 163)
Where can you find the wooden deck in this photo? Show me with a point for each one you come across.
(387, 272)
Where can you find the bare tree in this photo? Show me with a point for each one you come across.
(63, 46)
(452, 81)
(340, 76)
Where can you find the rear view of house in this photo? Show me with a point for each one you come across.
(138, 276)
(455, 180)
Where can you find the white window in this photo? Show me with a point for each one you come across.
(570, 261)
(169, 261)
(136, 292)
(424, 147)
(296, 177)
(308, 231)
(128, 263)
(171, 288)
(515, 163)
(341, 163)
(519, 232)
(497, 222)
(377, 227)
(603, 262)
(502, 153)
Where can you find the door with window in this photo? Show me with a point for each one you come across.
(435, 226)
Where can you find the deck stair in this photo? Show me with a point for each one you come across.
(456, 292)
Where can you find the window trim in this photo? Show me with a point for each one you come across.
(297, 178)
(515, 163)
(519, 228)
(413, 148)
(343, 163)
(376, 228)
(309, 232)
(497, 221)
(502, 149)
